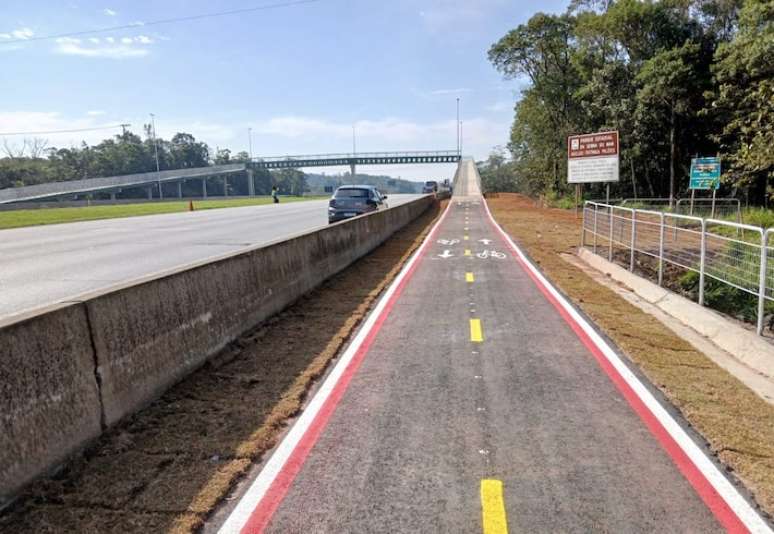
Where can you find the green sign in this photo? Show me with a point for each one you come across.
(705, 173)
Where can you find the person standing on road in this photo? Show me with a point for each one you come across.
(275, 194)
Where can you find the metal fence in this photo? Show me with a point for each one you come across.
(718, 208)
(734, 254)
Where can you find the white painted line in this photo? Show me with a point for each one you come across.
(241, 513)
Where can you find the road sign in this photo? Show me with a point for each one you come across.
(592, 158)
(705, 173)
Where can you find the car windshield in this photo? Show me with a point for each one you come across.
(352, 193)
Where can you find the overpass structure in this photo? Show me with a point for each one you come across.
(157, 180)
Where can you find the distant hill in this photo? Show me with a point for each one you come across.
(316, 183)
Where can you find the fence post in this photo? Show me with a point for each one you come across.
(661, 251)
(762, 281)
(583, 225)
(634, 240)
(702, 260)
(595, 228)
(610, 236)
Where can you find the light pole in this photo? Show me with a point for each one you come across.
(250, 141)
(458, 126)
(156, 150)
(460, 150)
(354, 150)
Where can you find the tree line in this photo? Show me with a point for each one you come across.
(677, 79)
(128, 153)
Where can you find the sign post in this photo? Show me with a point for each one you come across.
(593, 158)
(705, 175)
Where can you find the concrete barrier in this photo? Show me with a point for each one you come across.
(49, 398)
(114, 351)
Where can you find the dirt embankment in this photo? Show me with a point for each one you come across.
(168, 467)
(738, 424)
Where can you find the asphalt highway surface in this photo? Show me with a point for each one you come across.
(48, 264)
(475, 407)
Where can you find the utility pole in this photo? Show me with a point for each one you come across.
(460, 139)
(156, 150)
(250, 141)
(458, 126)
(354, 151)
(123, 129)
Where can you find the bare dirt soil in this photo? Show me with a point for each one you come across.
(738, 425)
(167, 468)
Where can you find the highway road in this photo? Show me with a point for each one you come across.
(47, 264)
(474, 400)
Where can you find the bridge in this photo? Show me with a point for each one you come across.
(157, 181)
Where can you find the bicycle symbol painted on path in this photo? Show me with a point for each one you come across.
(491, 254)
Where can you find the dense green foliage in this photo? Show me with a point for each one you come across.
(676, 78)
(127, 153)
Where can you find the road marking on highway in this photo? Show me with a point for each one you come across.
(493, 516)
(446, 254)
(467, 252)
(466, 238)
(485, 241)
(469, 278)
(718, 493)
(257, 506)
(476, 333)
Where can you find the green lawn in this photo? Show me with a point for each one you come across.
(35, 217)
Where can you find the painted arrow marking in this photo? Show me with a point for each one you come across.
(485, 241)
(446, 254)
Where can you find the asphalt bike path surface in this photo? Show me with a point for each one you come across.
(43, 265)
(470, 402)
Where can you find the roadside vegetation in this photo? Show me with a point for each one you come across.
(41, 216)
(676, 78)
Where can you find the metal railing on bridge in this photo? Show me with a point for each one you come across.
(358, 158)
(734, 254)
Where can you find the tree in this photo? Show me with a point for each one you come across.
(744, 100)
(668, 96)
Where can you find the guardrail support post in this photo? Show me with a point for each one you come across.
(661, 250)
(583, 226)
(610, 234)
(634, 239)
(762, 281)
(595, 228)
(702, 260)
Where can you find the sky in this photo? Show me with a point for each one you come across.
(300, 76)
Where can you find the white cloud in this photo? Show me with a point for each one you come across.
(442, 92)
(19, 34)
(95, 113)
(129, 47)
(109, 12)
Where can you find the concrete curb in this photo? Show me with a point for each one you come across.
(743, 344)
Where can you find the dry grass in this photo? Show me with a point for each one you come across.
(168, 467)
(738, 424)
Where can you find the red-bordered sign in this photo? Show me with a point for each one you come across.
(592, 157)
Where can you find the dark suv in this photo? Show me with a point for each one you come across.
(353, 200)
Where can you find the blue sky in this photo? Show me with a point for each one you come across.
(299, 76)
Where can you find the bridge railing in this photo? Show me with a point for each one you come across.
(356, 155)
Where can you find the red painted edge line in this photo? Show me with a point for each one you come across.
(717, 505)
(265, 509)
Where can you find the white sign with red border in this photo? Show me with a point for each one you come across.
(592, 158)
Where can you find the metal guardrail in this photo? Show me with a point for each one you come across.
(735, 254)
(351, 155)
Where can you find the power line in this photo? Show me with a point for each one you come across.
(163, 21)
(5, 134)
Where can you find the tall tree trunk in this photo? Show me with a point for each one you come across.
(672, 158)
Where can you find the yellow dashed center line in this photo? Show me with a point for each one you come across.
(476, 333)
(466, 238)
(467, 252)
(469, 278)
(493, 507)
